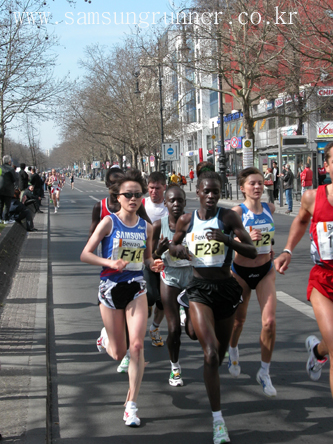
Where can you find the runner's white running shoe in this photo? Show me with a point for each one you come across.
(234, 368)
(220, 432)
(266, 383)
(123, 366)
(156, 338)
(100, 341)
(58, 204)
(55, 209)
(313, 365)
(175, 379)
(131, 419)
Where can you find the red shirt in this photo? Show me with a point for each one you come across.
(191, 174)
(321, 230)
(104, 208)
(306, 177)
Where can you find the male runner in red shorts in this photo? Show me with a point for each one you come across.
(318, 205)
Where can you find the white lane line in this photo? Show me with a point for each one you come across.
(92, 197)
(78, 190)
(294, 303)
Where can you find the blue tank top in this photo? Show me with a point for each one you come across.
(126, 243)
(205, 253)
(263, 222)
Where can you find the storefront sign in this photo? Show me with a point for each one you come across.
(278, 102)
(232, 116)
(269, 105)
(325, 92)
(324, 129)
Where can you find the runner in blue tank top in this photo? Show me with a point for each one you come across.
(256, 274)
(213, 293)
(126, 245)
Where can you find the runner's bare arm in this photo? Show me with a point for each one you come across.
(297, 230)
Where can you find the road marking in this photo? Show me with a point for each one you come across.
(92, 197)
(78, 190)
(295, 304)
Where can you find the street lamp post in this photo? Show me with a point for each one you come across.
(159, 66)
(222, 158)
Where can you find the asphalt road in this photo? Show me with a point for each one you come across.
(88, 393)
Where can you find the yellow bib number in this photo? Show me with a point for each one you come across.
(208, 248)
(133, 255)
(265, 240)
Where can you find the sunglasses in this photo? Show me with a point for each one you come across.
(130, 195)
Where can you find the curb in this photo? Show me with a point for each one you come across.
(30, 363)
(36, 423)
(12, 239)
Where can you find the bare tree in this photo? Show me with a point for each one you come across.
(117, 106)
(27, 86)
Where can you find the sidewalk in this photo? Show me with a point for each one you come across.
(22, 342)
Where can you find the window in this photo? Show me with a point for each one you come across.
(199, 115)
(271, 123)
(191, 115)
(281, 121)
(213, 98)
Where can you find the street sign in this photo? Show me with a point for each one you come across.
(234, 142)
(170, 151)
(247, 153)
(152, 158)
(192, 153)
(96, 164)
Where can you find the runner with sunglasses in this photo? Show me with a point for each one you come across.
(126, 247)
(104, 208)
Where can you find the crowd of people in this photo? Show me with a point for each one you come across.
(154, 253)
(21, 192)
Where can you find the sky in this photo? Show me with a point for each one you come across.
(76, 30)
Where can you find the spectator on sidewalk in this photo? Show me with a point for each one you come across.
(7, 186)
(30, 198)
(306, 178)
(321, 175)
(275, 172)
(288, 185)
(174, 177)
(23, 179)
(191, 175)
(18, 211)
(269, 184)
(29, 173)
(37, 182)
